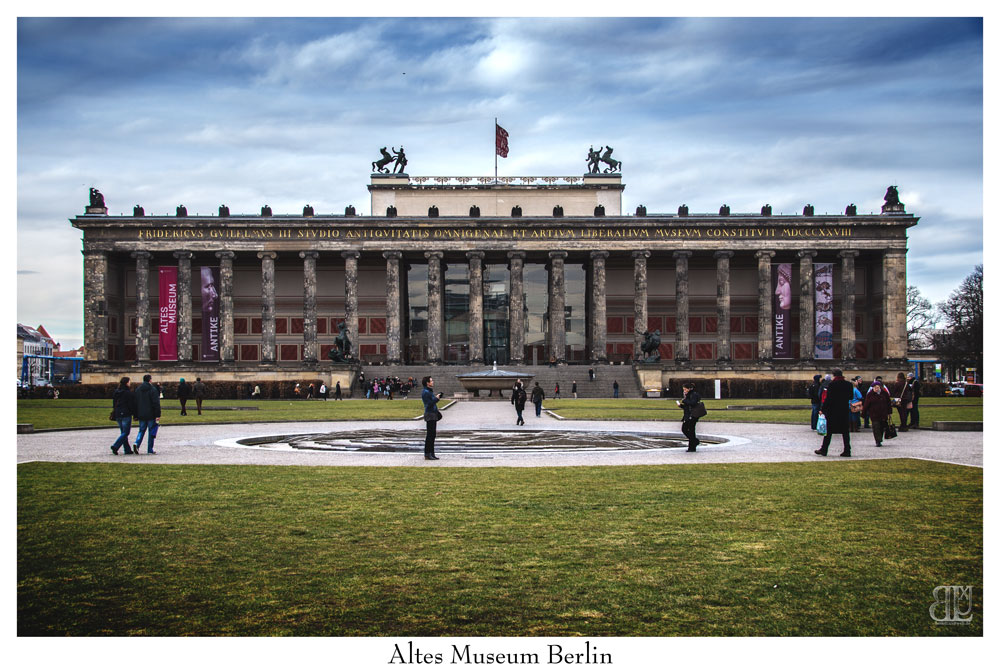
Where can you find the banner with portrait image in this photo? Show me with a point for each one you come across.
(168, 314)
(824, 310)
(782, 311)
(210, 323)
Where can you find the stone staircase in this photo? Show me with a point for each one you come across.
(445, 380)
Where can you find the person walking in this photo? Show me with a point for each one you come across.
(337, 394)
(518, 398)
(537, 396)
(902, 392)
(591, 373)
(878, 408)
(615, 387)
(200, 391)
(813, 393)
(431, 416)
(837, 409)
(183, 393)
(914, 410)
(857, 404)
(574, 390)
(323, 391)
(256, 392)
(122, 409)
(688, 423)
(557, 391)
(147, 411)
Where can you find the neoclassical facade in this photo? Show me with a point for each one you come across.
(468, 270)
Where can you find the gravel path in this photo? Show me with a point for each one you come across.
(746, 443)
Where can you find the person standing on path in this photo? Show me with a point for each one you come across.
(615, 387)
(837, 410)
(688, 423)
(337, 395)
(557, 391)
(857, 398)
(537, 396)
(814, 399)
(903, 392)
(122, 409)
(914, 410)
(431, 415)
(878, 409)
(183, 393)
(591, 373)
(200, 390)
(574, 390)
(518, 398)
(147, 410)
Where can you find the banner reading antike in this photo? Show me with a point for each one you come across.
(782, 311)
(168, 313)
(210, 332)
(824, 310)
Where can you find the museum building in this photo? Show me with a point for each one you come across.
(471, 270)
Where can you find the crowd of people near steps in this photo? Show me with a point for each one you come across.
(839, 406)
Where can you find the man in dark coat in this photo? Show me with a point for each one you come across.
(837, 410)
(518, 398)
(200, 391)
(537, 396)
(814, 389)
(183, 393)
(915, 410)
(689, 423)
(431, 416)
(147, 410)
(878, 409)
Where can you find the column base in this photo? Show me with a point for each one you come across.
(394, 361)
(477, 361)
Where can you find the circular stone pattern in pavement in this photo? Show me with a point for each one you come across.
(470, 441)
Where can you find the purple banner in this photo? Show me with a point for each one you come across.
(168, 313)
(824, 310)
(210, 324)
(782, 310)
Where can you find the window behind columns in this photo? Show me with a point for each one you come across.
(456, 313)
(536, 305)
(576, 311)
(415, 339)
(496, 319)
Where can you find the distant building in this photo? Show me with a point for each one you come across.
(36, 342)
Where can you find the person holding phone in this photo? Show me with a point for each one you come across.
(431, 415)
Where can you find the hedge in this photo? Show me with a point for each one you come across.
(774, 388)
(220, 390)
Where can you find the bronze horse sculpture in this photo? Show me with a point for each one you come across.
(380, 164)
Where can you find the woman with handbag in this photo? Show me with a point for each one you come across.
(431, 415)
(879, 410)
(690, 404)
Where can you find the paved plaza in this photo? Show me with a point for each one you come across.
(744, 443)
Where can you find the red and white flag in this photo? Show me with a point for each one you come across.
(501, 142)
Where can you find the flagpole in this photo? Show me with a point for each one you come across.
(496, 122)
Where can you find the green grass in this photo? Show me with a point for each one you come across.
(665, 409)
(83, 413)
(748, 549)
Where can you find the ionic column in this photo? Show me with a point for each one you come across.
(894, 303)
(183, 305)
(765, 307)
(599, 307)
(682, 347)
(267, 345)
(435, 316)
(557, 305)
(475, 306)
(640, 301)
(722, 304)
(351, 299)
(227, 344)
(847, 335)
(516, 315)
(142, 322)
(807, 306)
(310, 346)
(95, 300)
(393, 324)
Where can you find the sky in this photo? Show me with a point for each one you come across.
(701, 111)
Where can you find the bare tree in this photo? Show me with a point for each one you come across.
(962, 344)
(920, 315)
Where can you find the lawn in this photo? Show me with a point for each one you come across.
(813, 549)
(82, 413)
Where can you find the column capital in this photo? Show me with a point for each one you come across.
(267, 254)
(430, 255)
(392, 255)
(350, 254)
(642, 253)
(561, 255)
(181, 255)
(724, 254)
(765, 254)
(309, 254)
(516, 254)
(601, 255)
(223, 255)
(682, 254)
(806, 253)
(475, 254)
(849, 254)
(145, 255)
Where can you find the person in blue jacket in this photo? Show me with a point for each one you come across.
(431, 415)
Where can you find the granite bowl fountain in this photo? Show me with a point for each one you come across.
(492, 380)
